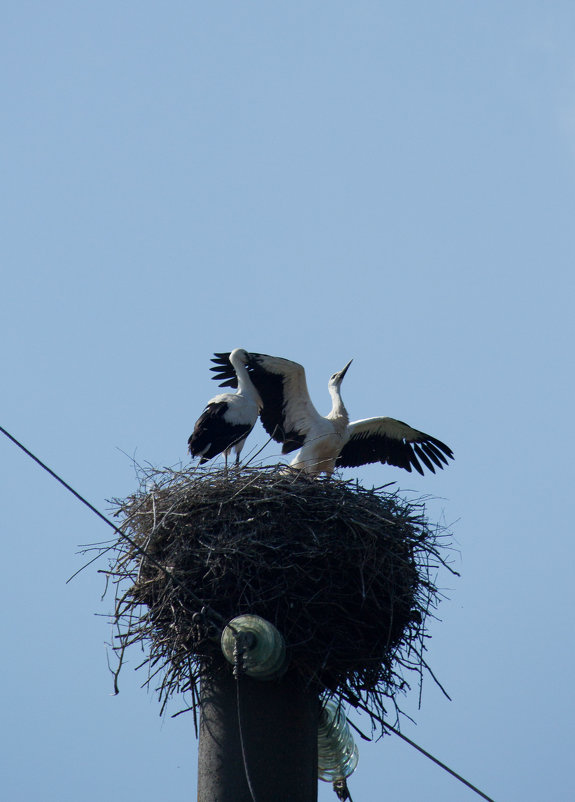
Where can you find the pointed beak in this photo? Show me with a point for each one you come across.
(344, 371)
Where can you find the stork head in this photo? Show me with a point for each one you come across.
(239, 355)
(337, 378)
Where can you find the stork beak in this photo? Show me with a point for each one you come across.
(344, 371)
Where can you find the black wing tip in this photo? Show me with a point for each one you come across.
(416, 464)
(423, 457)
(437, 451)
(221, 358)
(442, 447)
(424, 452)
(223, 369)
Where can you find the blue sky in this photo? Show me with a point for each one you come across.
(392, 183)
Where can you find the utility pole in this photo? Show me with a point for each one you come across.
(273, 740)
(262, 593)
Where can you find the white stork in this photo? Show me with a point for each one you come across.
(228, 418)
(325, 443)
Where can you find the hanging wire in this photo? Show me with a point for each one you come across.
(219, 622)
(240, 649)
(358, 704)
(341, 790)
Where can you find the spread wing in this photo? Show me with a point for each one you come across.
(391, 441)
(287, 414)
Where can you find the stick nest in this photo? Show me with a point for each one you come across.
(345, 574)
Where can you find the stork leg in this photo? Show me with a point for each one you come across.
(238, 449)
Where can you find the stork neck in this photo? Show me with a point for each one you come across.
(338, 410)
(245, 384)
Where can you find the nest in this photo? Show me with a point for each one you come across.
(345, 574)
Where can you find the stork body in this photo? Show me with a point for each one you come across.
(228, 418)
(325, 443)
(325, 437)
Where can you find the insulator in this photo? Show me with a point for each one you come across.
(337, 753)
(264, 654)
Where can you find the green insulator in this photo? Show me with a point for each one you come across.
(264, 654)
(337, 753)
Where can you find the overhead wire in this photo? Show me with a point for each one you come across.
(438, 762)
(239, 653)
(358, 704)
(217, 619)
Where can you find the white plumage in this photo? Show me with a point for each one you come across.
(325, 443)
(228, 418)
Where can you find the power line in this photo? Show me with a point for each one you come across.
(216, 618)
(357, 703)
(239, 652)
(439, 763)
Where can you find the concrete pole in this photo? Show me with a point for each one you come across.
(279, 721)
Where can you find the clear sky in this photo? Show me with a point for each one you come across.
(392, 182)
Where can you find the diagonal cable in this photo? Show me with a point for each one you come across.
(216, 618)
